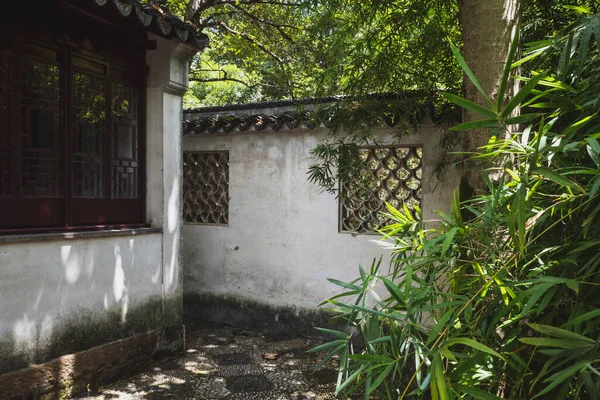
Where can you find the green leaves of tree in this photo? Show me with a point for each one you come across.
(504, 301)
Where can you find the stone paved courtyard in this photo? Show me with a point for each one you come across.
(230, 363)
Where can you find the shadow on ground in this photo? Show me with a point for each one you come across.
(230, 363)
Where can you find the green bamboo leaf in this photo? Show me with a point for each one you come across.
(531, 55)
(579, 9)
(478, 124)
(408, 278)
(594, 155)
(593, 143)
(562, 376)
(507, 68)
(329, 355)
(520, 211)
(583, 48)
(474, 344)
(381, 339)
(437, 377)
(469, 105)
(553, 83)
(595, 187)
(394, 316)
(338, 334)
(469, 73)
(448, 240)
(579, 124)
(384, 374)
(363, 274)
(563, 63)
(439, 326)
(433, 386)
(582, 318)
(522, 94)
(559, 333)
(393, 289)
(475, 393)
(337, 296)
(447, 353)
(374, 358)
(557, 178)
(592, 388)
(326, 346)
(549, 342)
(521, 119)
(547, 105)
(344, 284)
(596, 24)
(350, 379)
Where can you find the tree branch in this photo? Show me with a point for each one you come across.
(226, 78)
(222, 79)
(279, 27)
(205, 22)
(252, 40)
(206, 4)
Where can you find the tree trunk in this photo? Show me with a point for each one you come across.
(488, 27)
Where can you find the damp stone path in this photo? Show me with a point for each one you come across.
(230, 363)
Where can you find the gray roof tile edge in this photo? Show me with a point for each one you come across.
(165, 23)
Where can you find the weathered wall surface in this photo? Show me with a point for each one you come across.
(62, 293)
(282, 242)
(64, 296)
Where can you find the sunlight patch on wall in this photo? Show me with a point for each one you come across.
(71, 263)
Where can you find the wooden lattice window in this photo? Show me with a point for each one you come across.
(206, 187)
(70, 129)
(390, 174)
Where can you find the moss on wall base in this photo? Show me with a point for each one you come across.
(83, 329)
(88, 370)
(250, 314)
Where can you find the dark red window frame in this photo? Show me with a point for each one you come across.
(71, 131)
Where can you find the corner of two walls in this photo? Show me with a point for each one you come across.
(268, 268)
(167, 84)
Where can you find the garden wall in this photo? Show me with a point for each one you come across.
(268, 266)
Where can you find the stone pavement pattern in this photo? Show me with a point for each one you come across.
(231, 363)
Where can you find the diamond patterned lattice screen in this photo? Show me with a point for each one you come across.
(206, 187)
(391, 174)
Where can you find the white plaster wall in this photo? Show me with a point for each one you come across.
(282, 241)
(45, 285)
(166, 85)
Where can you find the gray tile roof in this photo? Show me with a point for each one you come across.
(157, 20)
(380, 110)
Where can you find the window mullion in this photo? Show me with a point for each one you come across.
(108, 139)
(15, 118)
(67, 121)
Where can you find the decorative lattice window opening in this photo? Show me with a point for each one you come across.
(206, 187)
(390, 174)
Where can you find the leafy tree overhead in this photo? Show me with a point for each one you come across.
(292, 49)
(286, 49)
(259, 50)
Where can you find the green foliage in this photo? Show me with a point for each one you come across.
(390, 46)
(352, 122)
(316, 48)
(504, 304)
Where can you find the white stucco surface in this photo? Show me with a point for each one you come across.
(282, 242)
(48, 287)
(43, 285)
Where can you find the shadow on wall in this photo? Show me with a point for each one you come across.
(63, 298)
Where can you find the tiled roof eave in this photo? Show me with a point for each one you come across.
(153, 18)
(287, 121)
